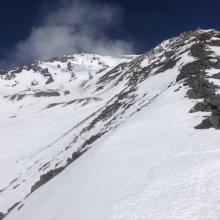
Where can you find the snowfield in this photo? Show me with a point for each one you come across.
(141, 171)
(135, 137)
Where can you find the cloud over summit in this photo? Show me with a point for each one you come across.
(72, 27)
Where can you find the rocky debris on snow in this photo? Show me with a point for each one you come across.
(52, 173)
(195, 76)
(46, 94)
(50, 80)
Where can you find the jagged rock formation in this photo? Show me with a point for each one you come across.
(68, 106)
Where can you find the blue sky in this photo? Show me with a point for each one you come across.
(36, 29)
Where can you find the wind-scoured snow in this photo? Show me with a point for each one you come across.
(133, 137)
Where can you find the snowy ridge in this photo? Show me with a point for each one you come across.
(74, 105)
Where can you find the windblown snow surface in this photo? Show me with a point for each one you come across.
(95, 137)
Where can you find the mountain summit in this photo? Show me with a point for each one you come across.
(97, 137)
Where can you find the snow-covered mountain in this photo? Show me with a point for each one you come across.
(96, 137)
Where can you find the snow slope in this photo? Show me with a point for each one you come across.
(144, 170)
(144, 145)
(32, 123)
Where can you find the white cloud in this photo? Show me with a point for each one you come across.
(75, 26)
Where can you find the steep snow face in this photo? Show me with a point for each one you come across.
(155, 166)
(138, 141)
(41, 103)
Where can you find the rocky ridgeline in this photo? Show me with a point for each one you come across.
(194, 75)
